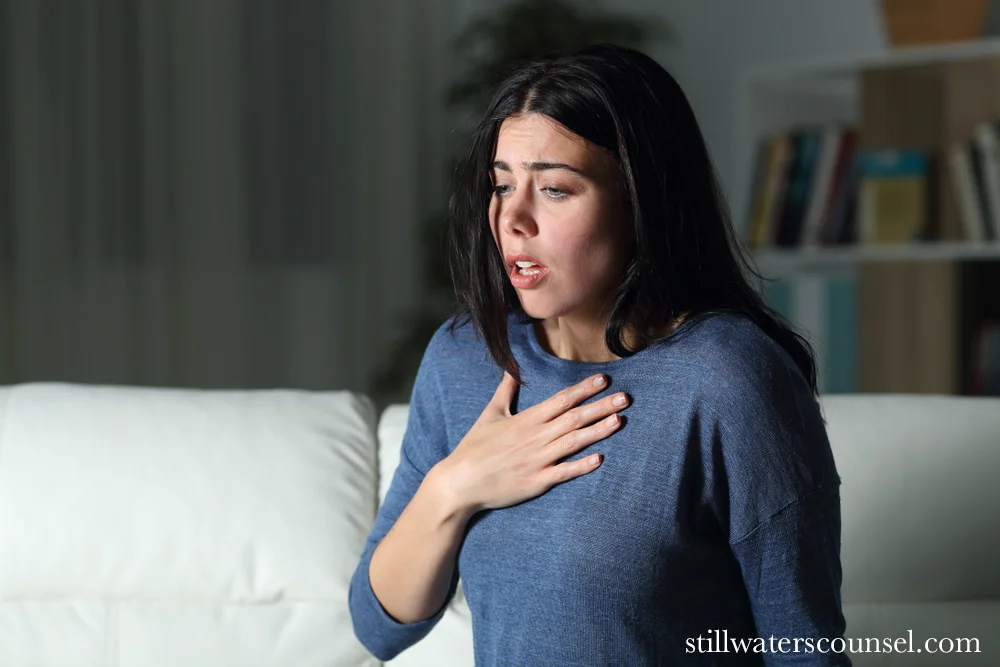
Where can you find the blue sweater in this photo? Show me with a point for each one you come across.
(714, 518)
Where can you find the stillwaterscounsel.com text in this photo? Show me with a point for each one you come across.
(719, 641)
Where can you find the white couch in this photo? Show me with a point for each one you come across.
(145, 527)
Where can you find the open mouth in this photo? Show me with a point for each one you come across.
(527, 268)
(526, 273)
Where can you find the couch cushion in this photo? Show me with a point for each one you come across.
(935, 629)
(920, 498)
(145, 526)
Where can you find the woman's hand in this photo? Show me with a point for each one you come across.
(505, 459)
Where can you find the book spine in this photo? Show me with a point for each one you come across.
(964, 186)
(822, 185)
(986, 139)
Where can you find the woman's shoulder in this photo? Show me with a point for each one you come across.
(454, 334)
(728, 347)
(456, 345)
(752, 390)
(735, 368)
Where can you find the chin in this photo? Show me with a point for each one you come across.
(533, 307)
(541, 308)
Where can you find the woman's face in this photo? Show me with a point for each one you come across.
(557, 204)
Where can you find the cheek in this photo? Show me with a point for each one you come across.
(592, 259)
(602, 237)
(492, 220)
(598, 254)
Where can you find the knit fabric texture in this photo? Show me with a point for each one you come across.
(712, 525)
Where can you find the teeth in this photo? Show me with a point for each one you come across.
(525, 265)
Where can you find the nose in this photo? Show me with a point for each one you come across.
(516, 218)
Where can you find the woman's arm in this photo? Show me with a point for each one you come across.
(791, 569)
(779, 502)
(407, 572)
(412, 568)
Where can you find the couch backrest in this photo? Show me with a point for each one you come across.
(173, 527)
(920, 496)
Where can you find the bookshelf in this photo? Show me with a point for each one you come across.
(772, 97)
(918, 317)
(782, 263)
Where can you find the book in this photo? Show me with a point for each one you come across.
(825, 309)
(823, 185)
(779, 156)
(984, 152)
(964, 186)
(893, 198)
(758, 189)
(800, 178)
(839, 226)
(985, 360)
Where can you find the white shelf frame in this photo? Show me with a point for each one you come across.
(850, 65)
(780, 262)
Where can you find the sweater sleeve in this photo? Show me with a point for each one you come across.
(424, 443)
(791, 569)
(779, 501)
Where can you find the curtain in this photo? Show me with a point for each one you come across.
(213, 194)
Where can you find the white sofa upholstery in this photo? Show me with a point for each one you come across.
(146, 527)
(156, 527)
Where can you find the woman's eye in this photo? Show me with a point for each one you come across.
(552, 192)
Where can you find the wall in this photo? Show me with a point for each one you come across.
(718, 38)
(714, 39)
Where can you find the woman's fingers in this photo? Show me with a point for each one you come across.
(571, 469)
(571, 396)
(507, 459)
(584, 415)
(575, 440)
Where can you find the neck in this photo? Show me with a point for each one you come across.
(574, 340)
(583, 340)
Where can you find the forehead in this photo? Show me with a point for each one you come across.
(537, 137)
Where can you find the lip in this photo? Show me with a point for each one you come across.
(511, 259)
(524, 282)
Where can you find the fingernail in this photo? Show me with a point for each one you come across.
(619, 400)
(599, 380)
(612, 420)
(594, 458)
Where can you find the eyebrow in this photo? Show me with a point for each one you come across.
(539, 166)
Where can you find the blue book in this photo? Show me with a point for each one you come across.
(825, 309)
(841, 335)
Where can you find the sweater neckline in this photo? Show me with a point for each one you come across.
(528, 331)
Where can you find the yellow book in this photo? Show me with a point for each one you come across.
(779, 154)
(892, 196)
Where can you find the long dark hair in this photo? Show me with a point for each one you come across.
(687, 260)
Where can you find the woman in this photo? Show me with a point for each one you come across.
(696, 505)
